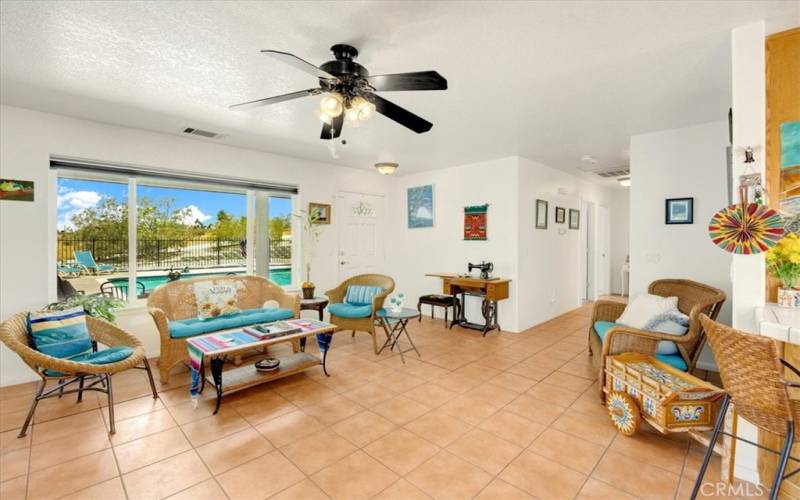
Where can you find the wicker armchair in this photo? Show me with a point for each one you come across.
(694, 299)
(176, 301)
(752, 373)
(337, 295)
(14, 334)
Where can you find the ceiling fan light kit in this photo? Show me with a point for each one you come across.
(350, 91)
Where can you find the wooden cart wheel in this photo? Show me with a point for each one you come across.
(624, 412)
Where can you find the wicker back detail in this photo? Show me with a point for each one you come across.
(751, 373)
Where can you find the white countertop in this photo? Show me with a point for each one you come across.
(779, 323)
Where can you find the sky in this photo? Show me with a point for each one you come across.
(75, 196)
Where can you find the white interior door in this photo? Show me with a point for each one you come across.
(361, 224)
(603, 250)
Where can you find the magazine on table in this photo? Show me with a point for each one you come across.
(272, 330)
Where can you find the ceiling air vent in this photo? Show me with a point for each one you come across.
(201, 133)
(616, 172)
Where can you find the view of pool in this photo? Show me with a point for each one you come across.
(282, 277)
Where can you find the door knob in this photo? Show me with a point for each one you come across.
(343, 262)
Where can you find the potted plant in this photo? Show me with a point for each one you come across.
(99, 306)
(783, 261)
(311, 233)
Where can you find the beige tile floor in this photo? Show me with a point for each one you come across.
(503, 417)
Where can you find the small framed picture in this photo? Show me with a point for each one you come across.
(679, 211)
(561, 215)
(322, 211)
(574, 218)
(541, 214)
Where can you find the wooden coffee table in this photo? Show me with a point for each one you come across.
(214, 353)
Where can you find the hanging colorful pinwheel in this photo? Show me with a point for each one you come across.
(746, 228)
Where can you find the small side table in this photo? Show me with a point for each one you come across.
(398, 322)
(316, 304)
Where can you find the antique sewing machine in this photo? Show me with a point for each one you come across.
(490, 290)
(485, 268)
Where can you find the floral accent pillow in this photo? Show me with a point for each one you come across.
(216, 299)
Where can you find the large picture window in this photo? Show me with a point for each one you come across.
(182, 230)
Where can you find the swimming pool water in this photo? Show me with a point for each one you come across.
(282, 277)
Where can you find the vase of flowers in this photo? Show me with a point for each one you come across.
(396, 302)
(311, 233)
(783, 261)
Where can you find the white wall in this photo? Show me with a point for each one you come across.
(747, 272)
(28, 138)
(678, 163)
(620, 236)
(551, 261)
(544, 266)
(442, 248)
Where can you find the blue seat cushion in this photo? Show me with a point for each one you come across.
(674, 360)
(352, 311)
(104, 357)
(191, 327)
(361, 295)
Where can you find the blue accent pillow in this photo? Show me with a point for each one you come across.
(361, 295)
(61, 334)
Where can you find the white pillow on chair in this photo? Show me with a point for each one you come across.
(657, 314)
(645, 307)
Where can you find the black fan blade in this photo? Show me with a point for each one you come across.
(333, 130)
(274, 100)
(402, 116)
(298, 63)
(419, 80)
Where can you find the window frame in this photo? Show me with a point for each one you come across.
(255, 218)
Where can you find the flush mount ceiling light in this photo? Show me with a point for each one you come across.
(386, 167)
(624, 181)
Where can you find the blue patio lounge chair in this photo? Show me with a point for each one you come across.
(86, 261)
(69, 270)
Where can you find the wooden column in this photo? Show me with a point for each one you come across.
(783, 105)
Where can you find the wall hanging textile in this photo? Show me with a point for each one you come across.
(475, 222)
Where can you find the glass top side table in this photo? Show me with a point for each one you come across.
(395, 324)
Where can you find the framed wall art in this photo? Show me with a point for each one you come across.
(561, 215)
(322, 211)
(475, 222)
(420, 206)
(679, 211)
(16, 190)
(574, 218)
(541, 214)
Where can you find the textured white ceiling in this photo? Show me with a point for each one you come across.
(550, 81)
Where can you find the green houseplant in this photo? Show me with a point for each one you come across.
(99, 306)
(311, 234)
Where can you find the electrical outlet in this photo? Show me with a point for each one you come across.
(652, 258)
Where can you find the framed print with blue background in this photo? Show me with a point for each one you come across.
(679, 211)
(420, 206)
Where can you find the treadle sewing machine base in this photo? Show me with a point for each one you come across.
(488, 311)
(491, 289)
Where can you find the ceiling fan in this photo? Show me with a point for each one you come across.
(350, 91)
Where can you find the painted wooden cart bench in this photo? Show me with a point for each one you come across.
(639, 387)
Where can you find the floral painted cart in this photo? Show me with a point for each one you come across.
(640, 387)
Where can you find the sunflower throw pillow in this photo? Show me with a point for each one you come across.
(216, 299)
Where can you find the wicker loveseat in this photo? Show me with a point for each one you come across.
(359, 317)
(173, 307)
(64, 372)
(607, 337)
